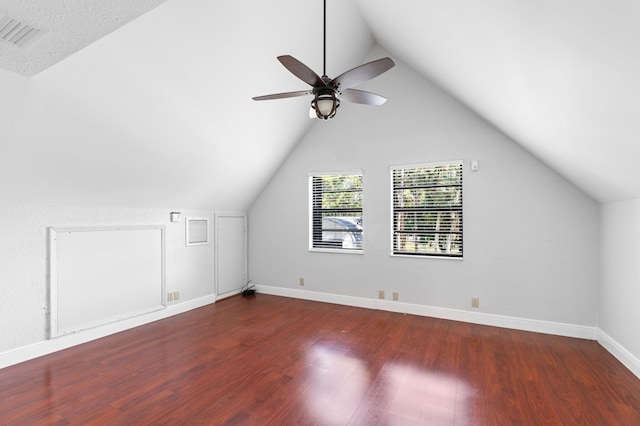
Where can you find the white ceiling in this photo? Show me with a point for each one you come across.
(558, 76)
(160, 105)
(66, 26)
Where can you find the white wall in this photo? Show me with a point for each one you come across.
(619, 316)
(531, 238)
(24, 251)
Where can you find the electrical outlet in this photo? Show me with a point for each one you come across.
(475, 302)
(301, 281)
(169, 297)
(381, 294)
(176, 295)
(395, 295)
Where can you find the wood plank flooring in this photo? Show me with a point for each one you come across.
(270, 360)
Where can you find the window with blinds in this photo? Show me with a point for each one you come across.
(335, 221)
(427, 210)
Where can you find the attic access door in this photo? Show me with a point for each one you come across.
(231, 253)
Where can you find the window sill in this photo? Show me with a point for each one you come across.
(341, 251)
(417, 256)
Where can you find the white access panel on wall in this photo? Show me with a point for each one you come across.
(231, 253)
(102, 275)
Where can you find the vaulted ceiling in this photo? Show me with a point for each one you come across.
(148, 102)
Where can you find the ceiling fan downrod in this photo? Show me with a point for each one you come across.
(325, 102)
(324, 42)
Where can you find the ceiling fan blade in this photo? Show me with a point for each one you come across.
(301, 71)
(362, 73)
(282, 95)
(362, 97)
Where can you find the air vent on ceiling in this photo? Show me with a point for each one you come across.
(17, 33)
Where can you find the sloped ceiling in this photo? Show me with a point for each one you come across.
(560, 77)
(148, 102)
(63, 27)
(159, 113)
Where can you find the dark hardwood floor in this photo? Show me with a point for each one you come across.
(270, 360)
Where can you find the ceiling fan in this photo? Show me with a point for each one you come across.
(325, 90)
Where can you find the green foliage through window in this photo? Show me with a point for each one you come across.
(336, 212)
(427, 210)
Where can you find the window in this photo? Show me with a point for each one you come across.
(427, 210)
(336, 212)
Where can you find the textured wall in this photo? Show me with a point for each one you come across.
(24, 264)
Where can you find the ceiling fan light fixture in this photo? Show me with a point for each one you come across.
(325, 104)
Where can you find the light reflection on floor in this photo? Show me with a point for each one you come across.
(423, 397)
(339, 385)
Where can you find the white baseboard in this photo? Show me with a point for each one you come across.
(619, 351)
(560, 329)
(315, 296)
(46, 347)
(547, 327)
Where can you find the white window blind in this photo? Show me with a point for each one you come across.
(427, 210)
(336, 212)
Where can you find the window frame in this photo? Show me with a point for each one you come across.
(428, 255)
(313, 213)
